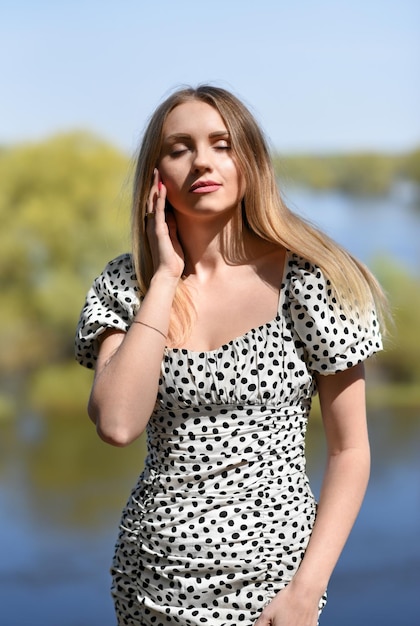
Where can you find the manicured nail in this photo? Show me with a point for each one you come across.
(160, 185)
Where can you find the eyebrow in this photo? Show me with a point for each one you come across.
(181, 136)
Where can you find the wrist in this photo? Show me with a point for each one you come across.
(314, 587)
(164, 280)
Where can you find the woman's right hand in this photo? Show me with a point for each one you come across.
(167, 253)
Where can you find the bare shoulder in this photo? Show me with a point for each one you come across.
(270, 264)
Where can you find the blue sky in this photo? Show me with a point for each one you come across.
(319, 75)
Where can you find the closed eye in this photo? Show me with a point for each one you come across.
(177, 150)
(222, 145)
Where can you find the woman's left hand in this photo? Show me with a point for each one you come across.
(290, 607)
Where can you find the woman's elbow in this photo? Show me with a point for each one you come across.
(115, 437)
(114, 430)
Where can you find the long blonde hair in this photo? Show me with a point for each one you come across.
(263, 212)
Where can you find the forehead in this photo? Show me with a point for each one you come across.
(193, 117)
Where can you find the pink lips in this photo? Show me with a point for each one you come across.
(204, 186)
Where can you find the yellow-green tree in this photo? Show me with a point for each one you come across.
(63, 210)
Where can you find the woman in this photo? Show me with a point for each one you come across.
(214, 335)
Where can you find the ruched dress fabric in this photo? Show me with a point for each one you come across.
(220, 517)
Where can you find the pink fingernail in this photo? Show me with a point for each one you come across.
(160, 185)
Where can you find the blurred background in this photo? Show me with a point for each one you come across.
(336, 87)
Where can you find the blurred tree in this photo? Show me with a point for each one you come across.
(363, 174)
(306, 170)
(411, 166)
(400, 361)
(64, 212)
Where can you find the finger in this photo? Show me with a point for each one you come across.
(157, 196)
(153, 193)
(261, 621)
(160, 200)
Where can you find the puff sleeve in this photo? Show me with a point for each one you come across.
(333, 341)
(111, 302)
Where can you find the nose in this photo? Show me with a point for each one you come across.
(201, 159)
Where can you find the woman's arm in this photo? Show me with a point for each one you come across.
(127, 372)
(342, 398)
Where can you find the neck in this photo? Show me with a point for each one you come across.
(211, 243)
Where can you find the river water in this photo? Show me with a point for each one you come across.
(62, 490)
(370, 228)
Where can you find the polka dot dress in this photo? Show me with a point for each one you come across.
(222, 512)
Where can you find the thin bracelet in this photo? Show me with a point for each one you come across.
(152, 327)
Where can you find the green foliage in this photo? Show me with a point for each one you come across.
(7, 407)
(362, 174)
(400, 361)
(410, 167)
(64, 212)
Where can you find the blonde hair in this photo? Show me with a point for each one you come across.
(263, 212)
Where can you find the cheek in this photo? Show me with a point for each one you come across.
(172, 187)
(240, 182)
(167, 180)
(169, 176)
(233, 171)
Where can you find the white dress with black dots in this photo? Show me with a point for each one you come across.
(221, 515)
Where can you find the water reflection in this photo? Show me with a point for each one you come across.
(68, 477)
(62, 491)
